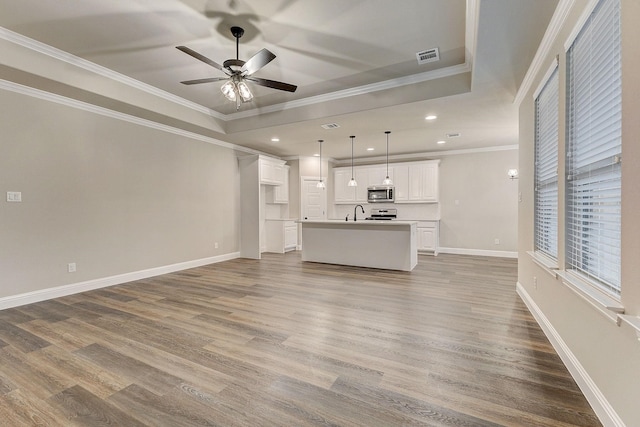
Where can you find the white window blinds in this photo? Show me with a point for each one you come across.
(594, 148)
(546, 168)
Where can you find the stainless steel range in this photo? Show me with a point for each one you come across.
(383, 214)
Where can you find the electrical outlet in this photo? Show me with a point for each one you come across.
(71, 267)
(535, 282)
(496, 241)
(14, 196)
(215, 245)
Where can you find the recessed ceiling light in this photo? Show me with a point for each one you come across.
(316, 155)
(431, 117)
(370, 149)
(275, 139)
(441, 142)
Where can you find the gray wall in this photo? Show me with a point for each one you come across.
(112, 196)
(487, 201)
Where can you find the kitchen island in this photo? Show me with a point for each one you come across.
(388, 245)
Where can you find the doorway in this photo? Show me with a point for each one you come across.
(313, 200)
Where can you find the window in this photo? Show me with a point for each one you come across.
(593, 162)
(546, 167)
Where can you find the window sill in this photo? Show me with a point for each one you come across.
(606, 305)
(549, 265)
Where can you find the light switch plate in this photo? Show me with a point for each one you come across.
(14, 196)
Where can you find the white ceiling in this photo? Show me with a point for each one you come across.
(354, 63)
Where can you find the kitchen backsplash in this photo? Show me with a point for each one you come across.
(406, 211)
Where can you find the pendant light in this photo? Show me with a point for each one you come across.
(353, 182)
(387, 180)
(320, 183)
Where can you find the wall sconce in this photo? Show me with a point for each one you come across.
(513, 173)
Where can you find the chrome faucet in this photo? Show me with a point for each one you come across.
(355, 211)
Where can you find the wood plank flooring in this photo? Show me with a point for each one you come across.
(279, 342)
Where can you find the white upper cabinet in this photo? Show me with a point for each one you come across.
(271, 171)
(362, 176)
(423, 182)
(342, 193)
(401, 182)
(414, 182)
(279, 194)
(377, 174)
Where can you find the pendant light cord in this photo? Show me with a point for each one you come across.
(387, 132)
(352, 157)
(320, 141)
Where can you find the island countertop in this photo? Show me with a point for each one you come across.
(394, 222)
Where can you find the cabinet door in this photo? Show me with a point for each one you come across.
(377, 174)
(417, 178)
(401, 182)
(281, 192)
(430, 186)
(341, 191)
(426, 239)
(266, 172)
(271, 172)
(423, 182)
(362, 178)
(290, 236)
(278, 174)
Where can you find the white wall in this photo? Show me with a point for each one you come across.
(109, 195)
(603, 356)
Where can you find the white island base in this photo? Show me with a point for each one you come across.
(388, 245)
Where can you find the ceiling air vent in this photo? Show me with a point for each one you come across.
(429, 55)
(453, 135)
(330, 126)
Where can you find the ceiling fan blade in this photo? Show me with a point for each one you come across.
(273, 84)
(202, 58)
(207, 80)
(256, 62)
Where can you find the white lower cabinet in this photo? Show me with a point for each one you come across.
(428, 236)
(281, 235)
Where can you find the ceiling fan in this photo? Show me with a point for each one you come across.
(238, 72)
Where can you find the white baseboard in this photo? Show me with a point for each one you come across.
(478, 252)
(74, 288)
(607, 415)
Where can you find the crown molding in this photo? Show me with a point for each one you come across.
(427, 155)
(92, 67)
(84, 106)
(355, 91)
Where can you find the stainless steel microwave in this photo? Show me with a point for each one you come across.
(381, 194)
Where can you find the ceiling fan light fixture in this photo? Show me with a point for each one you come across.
(235, 89)
(244, 91)
(229, 90)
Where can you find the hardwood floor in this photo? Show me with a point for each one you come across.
(278, 342)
